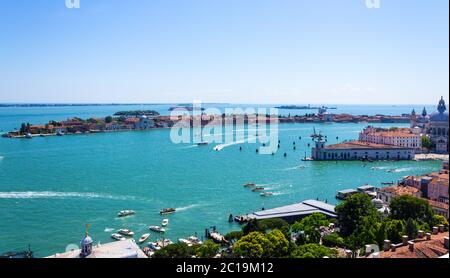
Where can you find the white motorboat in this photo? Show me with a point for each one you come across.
(154, 246)
(118, 237)
(125, 232)
(185, 241)
(157, 229)
(143, 238)
(165, 222)
(124, 213)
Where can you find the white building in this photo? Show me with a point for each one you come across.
(357, 150)
(401, 137)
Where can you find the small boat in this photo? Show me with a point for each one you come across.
(258, 188)
(265, 194)
(388, 183)
(125, 232)
(165, 222)
(154, 246)
(250, 184)
(59, 133)
(167, 211)
(143, 238)
(124, 213)
(28, 136)
(164, 243)
(203, 143)
(157, 229)
(118, 237)
(185, 241)
(194, 240)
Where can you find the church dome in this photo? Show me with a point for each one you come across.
(87, 240)
(441, 115)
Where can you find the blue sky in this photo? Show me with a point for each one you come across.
(234, 51)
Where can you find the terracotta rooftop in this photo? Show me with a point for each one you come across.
(400, 190)
(438, 204)
(361, 145)
(423, 248)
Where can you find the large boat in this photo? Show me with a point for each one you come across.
(165, 222)
(125, 232)
(167, 211)
(118, 237)
(124, 213)
(157, 229)
(258, 188)
(143, 238)
(249, 184)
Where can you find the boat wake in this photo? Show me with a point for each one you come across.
(108, 230)
(1, 157)
(61, 195)
(187, 207)
(222, 146)
(299, 167)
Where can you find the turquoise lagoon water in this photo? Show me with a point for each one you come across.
(51, 187)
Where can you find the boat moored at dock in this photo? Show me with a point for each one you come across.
(118, 237)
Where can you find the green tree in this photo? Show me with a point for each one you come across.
(207, 250)
(280, 245)
(234, 235)
(266, 225)
(354, 212)
(253, 245)
(439, 219)
(405, 207)
(333, 240)
(411, 228)
(176, 250)
(108, 119)
(312, 250)
(427, 143)
(394, 230)
(309, 228)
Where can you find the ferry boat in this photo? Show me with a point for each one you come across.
(124, 213)
(125, 232)
(250, 184)
(166, 211)
(157, 229)
(118, 237)
(265, 194)
(143, 238)
(258, 188)
(165, 222)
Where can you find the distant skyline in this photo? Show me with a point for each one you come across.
(224, 51)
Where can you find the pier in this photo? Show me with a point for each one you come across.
(292, 213)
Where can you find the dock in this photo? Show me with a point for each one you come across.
(292, 213)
